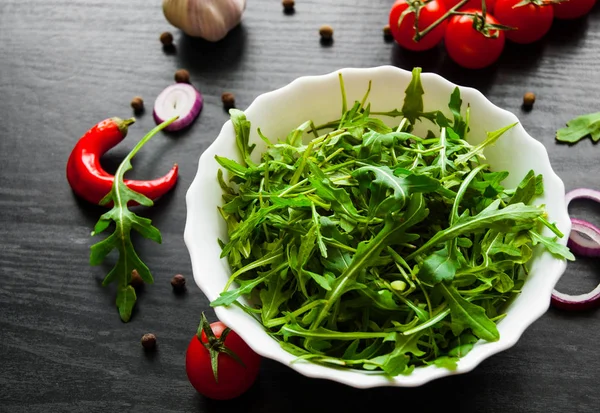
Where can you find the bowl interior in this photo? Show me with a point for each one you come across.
(319, 99)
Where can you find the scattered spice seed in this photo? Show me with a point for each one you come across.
(326, 32)
(137, 103)
(288, 5)
(136, 280)
(178, 283)
(149, 341)
(387, 32)
(166, 39)
(182, 76)
(228, 100)
(528, 99)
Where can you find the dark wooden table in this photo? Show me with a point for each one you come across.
(65, 65)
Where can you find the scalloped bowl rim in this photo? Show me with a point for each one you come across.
(255, 336)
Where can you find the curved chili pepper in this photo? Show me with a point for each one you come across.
(87, 177)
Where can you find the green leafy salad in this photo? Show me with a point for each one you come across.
(373, 248)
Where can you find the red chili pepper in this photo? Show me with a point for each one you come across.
(87, 177)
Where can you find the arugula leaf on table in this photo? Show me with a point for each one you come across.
(579, 128)
(125, 222)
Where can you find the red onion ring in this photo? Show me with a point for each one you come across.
(180, 99)
(588, 246)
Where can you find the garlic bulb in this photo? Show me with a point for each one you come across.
(209, 19)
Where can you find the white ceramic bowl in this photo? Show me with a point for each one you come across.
(318, 98)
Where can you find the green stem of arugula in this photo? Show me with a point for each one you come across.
(126, 162)
(552, 228)
(461, 192)
(420, 34)
(284, 320)
(334, 335)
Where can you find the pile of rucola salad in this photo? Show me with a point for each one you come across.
(372, 247)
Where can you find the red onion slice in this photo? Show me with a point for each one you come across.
(576, 302)
(582, 193)
(584, 240)
(588, 246)
(180, 99)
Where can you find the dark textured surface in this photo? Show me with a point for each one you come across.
(64, 65)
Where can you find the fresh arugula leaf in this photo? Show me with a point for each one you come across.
(552, 245)
(125, 222)
(242, 134)
(439, 266)
(413, 100)
(468, 315)
(579, 128)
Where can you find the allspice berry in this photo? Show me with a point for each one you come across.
(136, 280)
(288, 5)
(182, 76)
(137, 103)
(528, 99)
(228, 100)
(166, 39)
(387, 32)
(178, 283)
(149, 341)
(326, 32)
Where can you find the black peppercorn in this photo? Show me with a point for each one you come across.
(528, 99)
(228, 100)
(182, 76)
(166, 39)
(326, 32)
(288, 5)
(137, 103)
(178, 283)
(149, 341)
(136, 280)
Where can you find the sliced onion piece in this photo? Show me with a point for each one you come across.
(584, 193)
(576, 302)
(588, 245)
(180, 99)
(580, 245)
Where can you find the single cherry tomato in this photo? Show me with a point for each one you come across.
(404, 31)
(573, 9)
(469, 47)
(531, 21)
(236, 366)
(471, 4)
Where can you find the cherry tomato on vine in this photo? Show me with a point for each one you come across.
(470, 48)
(531, 21)
(218, 363)
(471, 4)
(573, 9)
(404, 30)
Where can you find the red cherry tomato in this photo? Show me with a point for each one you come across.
(471, 4)
(234, 379)
(470, 48)
(531, 21)
(573, 9)
(405, 31)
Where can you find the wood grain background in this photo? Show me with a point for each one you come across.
(65, 65)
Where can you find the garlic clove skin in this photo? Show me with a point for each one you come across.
(209, 19)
